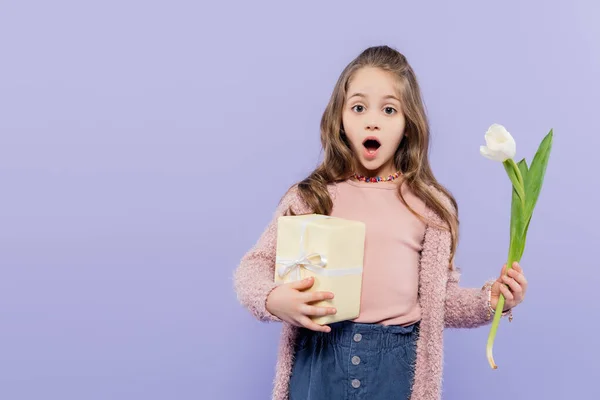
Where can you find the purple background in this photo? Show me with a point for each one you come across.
(144, 146)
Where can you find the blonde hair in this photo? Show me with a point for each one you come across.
(411, 157)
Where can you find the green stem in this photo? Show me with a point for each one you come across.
(512, 257)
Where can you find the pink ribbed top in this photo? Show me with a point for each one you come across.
(393, 243)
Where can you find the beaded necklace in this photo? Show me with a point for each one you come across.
(376, 179)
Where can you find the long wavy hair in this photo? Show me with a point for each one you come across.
(411, 157)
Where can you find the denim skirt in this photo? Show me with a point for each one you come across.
(354, 361)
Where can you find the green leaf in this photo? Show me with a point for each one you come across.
(515, 177)
(536, 173)
(517, 227)
(524, 240)
(517, 213)
(524, 169)
(524, 173)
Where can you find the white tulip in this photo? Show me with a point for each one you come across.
(500, 145)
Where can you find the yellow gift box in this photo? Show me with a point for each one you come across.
(331, 250)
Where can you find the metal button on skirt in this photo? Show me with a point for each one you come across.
(354, 361)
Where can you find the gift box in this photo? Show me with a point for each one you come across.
(331, 250)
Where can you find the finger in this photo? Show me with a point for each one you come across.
(507, 293)
(302, 284)
(517, 267)
(310, 324)
(293, 322)
(311, 297)
(514, 285)
(305, 309)
(495, 287)
(518, 276)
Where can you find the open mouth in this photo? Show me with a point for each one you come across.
(371, 144)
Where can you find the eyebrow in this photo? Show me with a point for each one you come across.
(389, 96)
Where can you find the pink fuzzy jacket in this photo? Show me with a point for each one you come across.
(443, 303)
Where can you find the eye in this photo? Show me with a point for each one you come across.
(358, 108)
(390, 110)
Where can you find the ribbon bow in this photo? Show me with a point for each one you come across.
(314, 262)
(304, 261)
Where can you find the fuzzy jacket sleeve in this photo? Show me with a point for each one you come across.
(254, 277)
(465, 307)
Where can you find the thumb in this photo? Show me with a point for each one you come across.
(503, 270)
(303, 284)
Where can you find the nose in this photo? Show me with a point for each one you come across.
(372, 126)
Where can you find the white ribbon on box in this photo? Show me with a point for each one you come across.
(306, 261)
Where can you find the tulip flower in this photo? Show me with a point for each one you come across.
(500, 145)
(526, 187)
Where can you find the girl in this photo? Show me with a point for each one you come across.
(375, 138)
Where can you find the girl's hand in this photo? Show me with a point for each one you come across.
(514, 293)
(291, 304)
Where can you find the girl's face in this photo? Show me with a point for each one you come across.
(373, 120)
